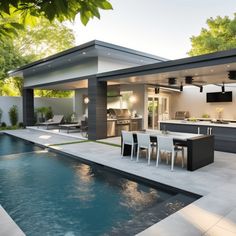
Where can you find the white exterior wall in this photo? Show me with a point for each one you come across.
(195, 102)
(61, 74)
(109, 64)
(78, 103)
(59, 106)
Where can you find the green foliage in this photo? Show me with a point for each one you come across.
(220, 35)
(49, 113)
(31, 44)
(44, 39)
(62, 10)
(45, 113)
(3, 125)
(53, 93)
(13, 115)
(21, 125)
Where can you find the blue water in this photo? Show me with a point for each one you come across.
(11, 145)
(50, 194)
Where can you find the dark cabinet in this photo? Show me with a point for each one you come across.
(184, 128)
(225, 137)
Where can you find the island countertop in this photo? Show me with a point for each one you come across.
(199, 123)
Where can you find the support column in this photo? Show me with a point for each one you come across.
(28, 107)
(97, 109)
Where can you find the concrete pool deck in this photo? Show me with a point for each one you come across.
(213, 214)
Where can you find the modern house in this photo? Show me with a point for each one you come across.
(152, 88)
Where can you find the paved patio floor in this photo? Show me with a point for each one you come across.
(213, 214)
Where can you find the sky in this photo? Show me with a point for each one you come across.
(159, 27)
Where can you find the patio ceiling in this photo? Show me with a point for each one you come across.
(206, 69)
(201, 76)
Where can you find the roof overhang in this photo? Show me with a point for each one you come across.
(85, 52)
(206, 69)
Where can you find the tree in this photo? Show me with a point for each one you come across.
(61, 10)
(31, 44)
(53, 93)
(44, 39)
(10, 58)
(220, 35)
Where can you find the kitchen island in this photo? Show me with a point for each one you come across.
(224, 133)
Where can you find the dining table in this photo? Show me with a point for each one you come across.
(200, 147)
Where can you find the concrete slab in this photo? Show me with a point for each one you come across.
(7, 226)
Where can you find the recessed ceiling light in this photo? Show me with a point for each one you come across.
(228, 66)
(83, 53)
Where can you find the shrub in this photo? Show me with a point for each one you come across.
(41, 111)
(48, 113)
(13, 115)
(21, 125)
(3, 125)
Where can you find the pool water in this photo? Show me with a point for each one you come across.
(51, 194)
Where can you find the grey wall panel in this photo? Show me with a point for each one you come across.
(28, 107)
(97, 109)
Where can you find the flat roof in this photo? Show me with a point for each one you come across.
(85, 46)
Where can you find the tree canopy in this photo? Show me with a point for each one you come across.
(29, 45)
(54, 9)
(44, 39)
(220, 35)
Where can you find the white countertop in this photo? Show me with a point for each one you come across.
(199, 123)
(174, 135)
(132, 118)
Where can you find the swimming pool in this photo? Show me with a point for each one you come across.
(52, 194)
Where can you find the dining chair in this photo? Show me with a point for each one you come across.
(166, 144)
(128, 139)
(144, 142)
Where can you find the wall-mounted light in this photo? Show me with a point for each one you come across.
(223, 88)
(86, 100)
(201, 89)
(157, 90)
(181, 87)
(132, 99)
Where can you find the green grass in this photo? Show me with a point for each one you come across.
(110, 144)
(84, 141)
(60, 144)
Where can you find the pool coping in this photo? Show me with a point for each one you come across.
(8, 227)
(180, 221)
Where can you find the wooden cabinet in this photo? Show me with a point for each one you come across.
(135, 124)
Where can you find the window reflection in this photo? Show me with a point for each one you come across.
(83, 187)
(137, 198)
